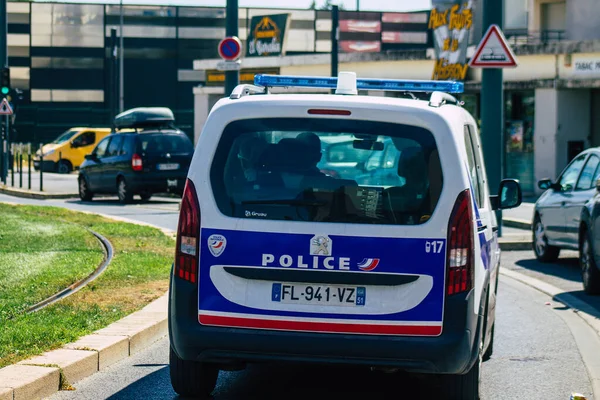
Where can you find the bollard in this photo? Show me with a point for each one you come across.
(12, 169)
(29, 170)
(41, 169)
(21, 170)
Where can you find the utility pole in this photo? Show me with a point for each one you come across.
(357, 5)
(492, 108)
(232, 78)
(4, 60)
(121, 61)
(335, 23)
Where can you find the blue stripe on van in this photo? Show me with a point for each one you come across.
(351, 253)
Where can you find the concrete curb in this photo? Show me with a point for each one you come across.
(42, 376)
(516, 223)
(579, 307)
(28, 194)
(514, 245)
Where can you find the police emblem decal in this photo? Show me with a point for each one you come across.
(217, 244)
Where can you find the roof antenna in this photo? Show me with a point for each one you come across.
(346, 83)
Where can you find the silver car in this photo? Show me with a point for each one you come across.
(557, 215)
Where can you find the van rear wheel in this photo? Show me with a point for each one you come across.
(192, 378)
(464, 387)
(145, 196)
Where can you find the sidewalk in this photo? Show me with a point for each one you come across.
(55, 186)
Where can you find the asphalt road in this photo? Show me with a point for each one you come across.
(535, 357)
(536, 354)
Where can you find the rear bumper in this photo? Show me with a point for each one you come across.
(48, 165)
(453, 352)
(156, 182)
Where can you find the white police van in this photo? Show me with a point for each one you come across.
(278, 261)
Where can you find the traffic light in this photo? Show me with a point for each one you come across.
(5, 81)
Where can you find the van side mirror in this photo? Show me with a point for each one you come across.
(90, 156)
(509, 195)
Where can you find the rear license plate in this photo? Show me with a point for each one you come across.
(171, 183)
(167, 167)
(298, 293)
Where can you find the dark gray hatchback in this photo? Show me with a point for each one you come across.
(148, 158)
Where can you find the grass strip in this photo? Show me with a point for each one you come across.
(45, 249)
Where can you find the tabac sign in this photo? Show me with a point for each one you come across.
(267, 35)
(451, 27)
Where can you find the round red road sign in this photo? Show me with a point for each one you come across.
(230, 48)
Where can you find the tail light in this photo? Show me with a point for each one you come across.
(188, 232)
(460, 256)
(136, 163)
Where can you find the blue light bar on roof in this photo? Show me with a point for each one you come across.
(397, 85)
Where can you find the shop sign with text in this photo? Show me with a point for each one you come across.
(451, 26)
(267, 35)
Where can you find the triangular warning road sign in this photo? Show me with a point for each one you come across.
(5, 108)
(493, 51)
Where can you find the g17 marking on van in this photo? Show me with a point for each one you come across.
(435, 246)
(368, 264)
(217, 244)
(321, 245)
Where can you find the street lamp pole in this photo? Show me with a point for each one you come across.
(121, 61)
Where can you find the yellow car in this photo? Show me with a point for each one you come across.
(67, 152)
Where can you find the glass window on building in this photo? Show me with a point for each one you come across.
(519, 130)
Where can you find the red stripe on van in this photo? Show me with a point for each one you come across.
(237, 322)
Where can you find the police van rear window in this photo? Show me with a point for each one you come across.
(324, 170)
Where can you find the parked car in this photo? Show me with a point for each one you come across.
(146, 155)
(557, 222)
(66, 153)
(589, 243)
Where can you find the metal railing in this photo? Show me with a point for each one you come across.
(21, 153)
(516, 37)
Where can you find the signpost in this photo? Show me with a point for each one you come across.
(497, 56)
(232, 77)
(230, 50)
(5, 108)
(493, 51)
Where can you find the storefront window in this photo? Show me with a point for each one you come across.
(519, 130)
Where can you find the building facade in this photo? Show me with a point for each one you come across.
(60, 55)
(552, 99)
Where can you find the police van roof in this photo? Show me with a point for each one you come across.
(143, 117)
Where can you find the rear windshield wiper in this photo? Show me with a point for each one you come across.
(290, 202)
